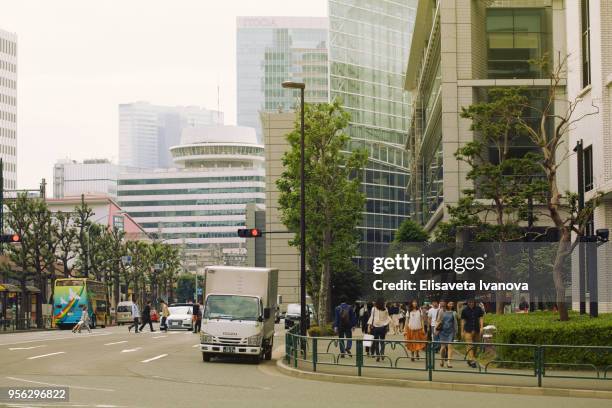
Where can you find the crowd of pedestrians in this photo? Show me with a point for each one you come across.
(436, 321)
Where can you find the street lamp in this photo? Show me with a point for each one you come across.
(301, 86)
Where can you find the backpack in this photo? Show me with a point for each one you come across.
(345, 317)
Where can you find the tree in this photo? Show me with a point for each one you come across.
(66, 236)
(503, 183)
(410, 231)
(561, 208)
(334, 202)
(82, 222)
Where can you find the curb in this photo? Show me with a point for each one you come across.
(436, 385)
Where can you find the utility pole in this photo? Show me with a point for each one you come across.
(581, 245)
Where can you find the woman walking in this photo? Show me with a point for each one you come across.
(414, 332)
(447, 329)
(83, 322)
(378, 326)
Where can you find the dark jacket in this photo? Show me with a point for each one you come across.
(352, 316)
(146, 313)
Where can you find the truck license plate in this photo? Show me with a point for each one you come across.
(227, 349)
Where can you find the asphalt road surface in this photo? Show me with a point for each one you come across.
(113, 368)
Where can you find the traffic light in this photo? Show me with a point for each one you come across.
(249, 233)
(12, 238)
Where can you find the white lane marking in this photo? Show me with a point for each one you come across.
(174, 332)
(26, 348)
(60, 385)
(46, 355)
(159, 337)
(195, 345)
(130, 350)
(58, 338)
(115, 342)
(154, 358)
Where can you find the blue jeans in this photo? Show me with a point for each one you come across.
(347, 333)
(379, 333)
(435, 337)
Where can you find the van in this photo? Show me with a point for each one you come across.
(124, 312)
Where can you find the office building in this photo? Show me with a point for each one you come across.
(270, 50)
(147, 132)
(589, 78)
(279, 254)
(93, 176)
(201, 204)
(459, 50)
(369, 45)
(8, 107)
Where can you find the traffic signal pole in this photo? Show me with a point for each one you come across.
(1, 203)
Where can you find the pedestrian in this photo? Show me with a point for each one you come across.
(394, 314)
(432, 317)
(402, 317)
(344, 322)
(84, 321)
(472, 321)
(524, 306)
(378, 325)
(135, 316)
(415, 330)
(446, 330)
(163, 326)
(146, 317)
(197, 317)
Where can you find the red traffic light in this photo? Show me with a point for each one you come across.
(249, 233)
(11, 238)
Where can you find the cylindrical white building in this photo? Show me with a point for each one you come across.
(202, 203)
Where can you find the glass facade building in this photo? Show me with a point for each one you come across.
(270, 50)
(369, 46)
(201, 204)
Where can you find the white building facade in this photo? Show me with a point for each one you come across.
(92, 176)
(146, 131)
(8, 107)
(589, 79)
(201, 204)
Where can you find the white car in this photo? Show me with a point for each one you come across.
(180, 318)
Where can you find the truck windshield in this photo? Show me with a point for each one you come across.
(231, 307)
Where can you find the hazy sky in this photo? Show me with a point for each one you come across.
(77, 60)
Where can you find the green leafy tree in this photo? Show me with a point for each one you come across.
(334, 202)
(410, 231)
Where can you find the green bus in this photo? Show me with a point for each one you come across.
(71, 294)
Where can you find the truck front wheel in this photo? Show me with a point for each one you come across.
(205, 357)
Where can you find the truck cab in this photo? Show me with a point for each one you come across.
(238, 317)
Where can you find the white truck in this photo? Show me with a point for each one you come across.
(238, 317)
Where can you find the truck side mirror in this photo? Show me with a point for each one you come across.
(267, 313)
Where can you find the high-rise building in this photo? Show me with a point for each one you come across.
(279, 254)
(201, 204)
(8, 107)
(270, 50)
(92, 176)
(460, 50)
(589, 79)
(369, 45)
(147, 132)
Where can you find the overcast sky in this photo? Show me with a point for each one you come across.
(77, 60)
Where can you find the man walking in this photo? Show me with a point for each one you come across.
(472, 321)
(163, 326)
(197, 317)
(432, 317)
(344, 322)
(146, 317)
(135, 316)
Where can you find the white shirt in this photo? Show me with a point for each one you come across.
(432, 314)
(415, 321)
(379, 318)
(135, 311)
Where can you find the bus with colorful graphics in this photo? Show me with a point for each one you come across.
(71, 294)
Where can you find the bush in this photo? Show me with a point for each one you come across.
(317, 331)
(544, 328)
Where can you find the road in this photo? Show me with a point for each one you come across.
(113, 368)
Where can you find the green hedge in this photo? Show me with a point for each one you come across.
(544, 328)
(317, 331)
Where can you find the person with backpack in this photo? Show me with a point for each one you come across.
(344, 322)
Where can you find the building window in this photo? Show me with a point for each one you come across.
(588, 168)
(586, 43)
(515, 38)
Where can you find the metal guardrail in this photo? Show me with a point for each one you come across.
(532, 360)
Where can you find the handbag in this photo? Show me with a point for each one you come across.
(367, 340)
